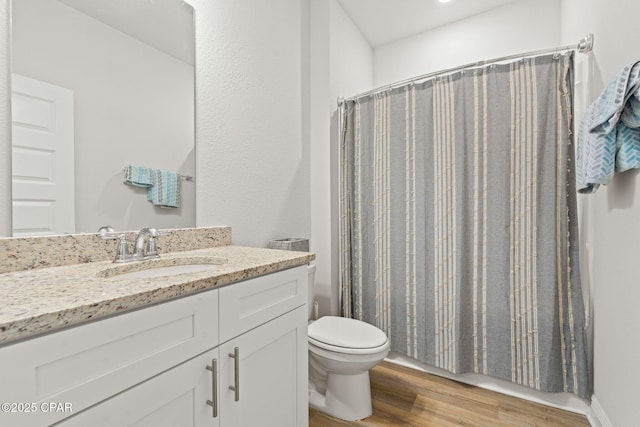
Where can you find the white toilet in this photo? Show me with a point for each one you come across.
(341, 352)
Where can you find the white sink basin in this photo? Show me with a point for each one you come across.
(167, 271)
(161, 267)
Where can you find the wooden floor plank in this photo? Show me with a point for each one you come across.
(402, 396)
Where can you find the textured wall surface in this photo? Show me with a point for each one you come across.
(5, 118)
(252, 149)
(610, 228)
(341, 60)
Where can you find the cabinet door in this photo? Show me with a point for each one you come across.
(177, 397)
(272, 371)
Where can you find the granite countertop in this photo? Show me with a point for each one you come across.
(38, 301)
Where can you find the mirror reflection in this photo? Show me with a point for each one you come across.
(97, 86)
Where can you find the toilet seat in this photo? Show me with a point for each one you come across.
(343, 335)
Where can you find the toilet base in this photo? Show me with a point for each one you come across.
(347, 397)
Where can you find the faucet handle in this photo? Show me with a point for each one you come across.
(122, 252)
(107, 232)
(105, 229)
(106, 235)
(153, 251)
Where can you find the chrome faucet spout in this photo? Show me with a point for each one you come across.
(145, 235)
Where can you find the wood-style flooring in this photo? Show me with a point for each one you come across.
(406, 397)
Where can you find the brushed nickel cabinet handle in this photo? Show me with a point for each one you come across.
(236, 372)
(214, 387)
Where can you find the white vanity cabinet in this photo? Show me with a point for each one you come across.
(86, 364)
(170, 364)
(263, 372)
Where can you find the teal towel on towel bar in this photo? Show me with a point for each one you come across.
(165, 189)
(138, 176)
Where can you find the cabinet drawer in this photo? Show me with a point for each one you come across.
(246, 305)
(86, 364)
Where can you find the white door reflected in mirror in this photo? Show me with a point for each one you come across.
(43, 169)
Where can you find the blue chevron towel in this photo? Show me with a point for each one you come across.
(138, 176)
(609, 135)
(165, 189)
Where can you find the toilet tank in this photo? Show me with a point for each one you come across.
(312, 279)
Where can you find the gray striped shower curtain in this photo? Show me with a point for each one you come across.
(458, 232)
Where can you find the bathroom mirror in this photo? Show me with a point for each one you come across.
(96, 86)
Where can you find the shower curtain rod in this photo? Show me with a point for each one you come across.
(585, 45)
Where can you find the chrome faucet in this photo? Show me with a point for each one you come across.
(145, 246)
(144, 250)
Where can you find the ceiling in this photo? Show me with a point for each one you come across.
(168, 25)
(384, 21)
(164, 25)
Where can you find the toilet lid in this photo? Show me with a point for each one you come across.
(343, 332)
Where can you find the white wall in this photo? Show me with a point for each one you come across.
(611, 229)
(133, 105)
(521, 26)
(351, 58)
(5, 117)
(341, 64)
(252, 138)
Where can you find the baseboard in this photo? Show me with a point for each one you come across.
(596, 415)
